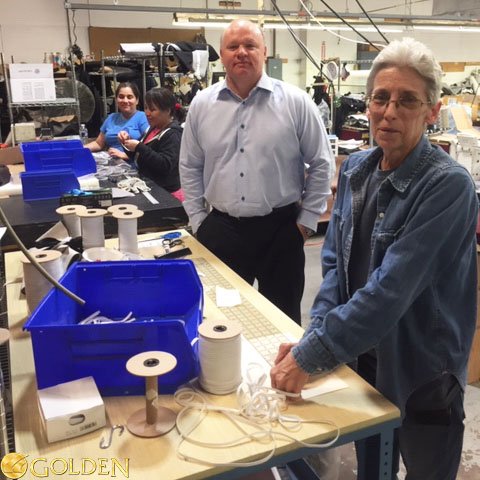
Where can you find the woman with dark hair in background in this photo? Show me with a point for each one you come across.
(156, 153)
(127, 119)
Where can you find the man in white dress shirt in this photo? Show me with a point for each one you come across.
(255, 150)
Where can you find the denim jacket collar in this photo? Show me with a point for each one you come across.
(402, 176)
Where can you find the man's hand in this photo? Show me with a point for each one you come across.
(306, 232)
(286, 375)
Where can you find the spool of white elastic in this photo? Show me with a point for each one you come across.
(36, 285)
(220, 356)
(70, 218)
(93, 231)
(127, 229)
(122, 207)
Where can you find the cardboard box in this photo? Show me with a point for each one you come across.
(71, 409)
(11, 156)
(24, 132)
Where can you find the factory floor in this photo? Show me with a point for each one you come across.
(345, 456)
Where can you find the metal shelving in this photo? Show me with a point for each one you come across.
(59, 102)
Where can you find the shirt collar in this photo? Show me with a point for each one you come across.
(265, 83)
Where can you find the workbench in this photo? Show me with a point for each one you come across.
(358, 410)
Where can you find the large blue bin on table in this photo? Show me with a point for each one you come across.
(166, 298)
(58, 155)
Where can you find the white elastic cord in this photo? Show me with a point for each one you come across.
(259, 406)
(95, 319)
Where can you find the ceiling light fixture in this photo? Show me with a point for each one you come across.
(222, 24)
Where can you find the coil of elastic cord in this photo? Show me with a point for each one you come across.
(93, 230)
(259, 406)
(219, 354)
(36, 284)
(96, 319)
(70, 218)
(127, 229)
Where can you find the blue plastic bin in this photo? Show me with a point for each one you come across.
(165, 297)
(58, 155)
(48, 184)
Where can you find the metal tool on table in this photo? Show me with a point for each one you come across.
(105, 443)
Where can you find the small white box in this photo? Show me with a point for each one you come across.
(24, 132)
(71, 409)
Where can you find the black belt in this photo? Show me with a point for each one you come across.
(286, 210)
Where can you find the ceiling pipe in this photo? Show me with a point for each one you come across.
(387, 18)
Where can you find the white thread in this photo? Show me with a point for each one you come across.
(219, 353)
(36, 285)
(127, 229)
(70, 218)
(259, 406)
(93, 231)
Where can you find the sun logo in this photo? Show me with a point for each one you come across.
(14, 465)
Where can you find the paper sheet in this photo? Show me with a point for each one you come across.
(227, 297)
(32, 82)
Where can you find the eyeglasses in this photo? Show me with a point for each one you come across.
(381, 101)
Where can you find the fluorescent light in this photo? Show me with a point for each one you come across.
(195, 24)
(446, 28)
(212, 24)
(366, 29)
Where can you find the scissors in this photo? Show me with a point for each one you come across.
(171, 235)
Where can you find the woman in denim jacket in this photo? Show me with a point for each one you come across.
(399, 270)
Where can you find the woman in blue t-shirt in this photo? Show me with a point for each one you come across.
(128, 119)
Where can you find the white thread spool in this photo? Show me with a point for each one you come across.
(36, 285)
(93, 231)
(127, 229)
(70, 218)
(220, 356)
(122, 207)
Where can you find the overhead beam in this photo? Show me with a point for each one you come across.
(391, 19)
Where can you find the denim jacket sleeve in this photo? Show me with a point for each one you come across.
(438, 228)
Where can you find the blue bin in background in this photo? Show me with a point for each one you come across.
(58, 154)
(48, 184)
(166, 298)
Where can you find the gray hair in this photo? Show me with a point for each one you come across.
(412, 54)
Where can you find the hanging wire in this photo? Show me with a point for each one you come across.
(350, 26)
(74, 30)
(329, 30)
(302, 46)
(372, 22)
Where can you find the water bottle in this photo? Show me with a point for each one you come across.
(83, 132)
